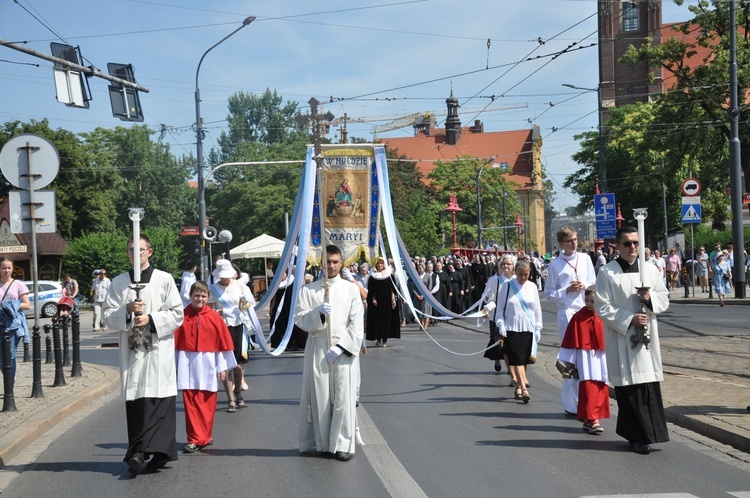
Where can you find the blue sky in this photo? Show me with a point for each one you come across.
(381, 58)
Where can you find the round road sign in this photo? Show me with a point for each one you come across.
(16, 163)
(691, 187)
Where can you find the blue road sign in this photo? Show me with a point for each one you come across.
(691, 213)
(604, 207)
(605, 229)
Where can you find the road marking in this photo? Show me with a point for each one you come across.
(640, 495)
(392, 474)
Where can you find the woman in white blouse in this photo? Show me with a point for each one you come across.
(520, 321)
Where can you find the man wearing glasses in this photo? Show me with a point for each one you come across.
(147, 365)
(567, 278)
(634, 368)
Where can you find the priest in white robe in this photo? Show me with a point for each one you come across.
(634, 370)
(567, 278)
(328, 419)
(147, 365)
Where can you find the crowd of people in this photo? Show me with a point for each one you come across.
(196, 337)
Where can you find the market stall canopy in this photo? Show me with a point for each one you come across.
(262, 246)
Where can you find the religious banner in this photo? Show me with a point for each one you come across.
(347, 202)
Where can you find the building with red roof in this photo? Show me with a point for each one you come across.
(518, 152)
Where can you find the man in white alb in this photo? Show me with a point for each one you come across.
(567, 278)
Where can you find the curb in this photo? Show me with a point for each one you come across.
(709, 427)
(36, 426)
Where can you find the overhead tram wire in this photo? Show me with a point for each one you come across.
(566, 50)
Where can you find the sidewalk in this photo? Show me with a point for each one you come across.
(36, 416)
(695, 296)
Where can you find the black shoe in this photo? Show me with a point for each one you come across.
(135, 462)
(498, 368)
(157, 462)
(343, 456)
(642, 448)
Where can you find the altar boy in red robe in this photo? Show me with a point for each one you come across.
(582, 349)
(204, 354)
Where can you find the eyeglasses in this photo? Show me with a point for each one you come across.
(570, 240)
(132, 251)
(630, 244)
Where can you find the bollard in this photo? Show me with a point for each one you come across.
(26, 357)
(48, 341)
(36, 346)
(9, 400)
(76, 332)
(59, 376)
(685, 279)
(65, 343)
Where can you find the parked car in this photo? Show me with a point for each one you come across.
(50, 292)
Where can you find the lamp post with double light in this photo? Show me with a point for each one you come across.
(199, 149)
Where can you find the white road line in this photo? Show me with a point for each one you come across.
(654, 495)
(392, 474)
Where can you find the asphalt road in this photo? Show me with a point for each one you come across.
(434, 424)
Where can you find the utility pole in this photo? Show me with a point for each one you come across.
(735, 167)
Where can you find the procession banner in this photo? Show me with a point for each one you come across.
(348, 201)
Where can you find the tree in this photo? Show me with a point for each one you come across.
(698, 59)
(414, 211)
(460, 177)
(137, 172)
(646, 147)
(256, 122)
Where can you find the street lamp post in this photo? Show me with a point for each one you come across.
(199, 149)
(600, 109)
(479, 202)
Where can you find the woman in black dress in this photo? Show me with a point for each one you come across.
(382, 312)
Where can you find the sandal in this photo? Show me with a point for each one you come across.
(525, 396)
(519, 392)
(240, 401)
(232, 407)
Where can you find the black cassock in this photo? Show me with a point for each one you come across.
(383, 320)
(299, 336)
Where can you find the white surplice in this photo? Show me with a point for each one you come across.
(323, 427)
(146, 374)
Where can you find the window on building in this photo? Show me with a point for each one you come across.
(629, 15)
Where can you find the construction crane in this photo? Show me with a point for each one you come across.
(425, 118)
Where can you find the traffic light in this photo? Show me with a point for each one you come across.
(126, 104)
(71, 86)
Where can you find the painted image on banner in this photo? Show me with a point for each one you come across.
(347, 197)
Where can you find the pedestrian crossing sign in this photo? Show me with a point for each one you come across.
(691, 213)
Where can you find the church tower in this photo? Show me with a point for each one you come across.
(623, 23)
(452, 122)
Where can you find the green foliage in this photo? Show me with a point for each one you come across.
(460, 177)
(92, 251)
(255, 121)
(708, 237)
(168, 255)
(691, 129)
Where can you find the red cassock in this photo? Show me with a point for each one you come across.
(203, 332)
(586, 331)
